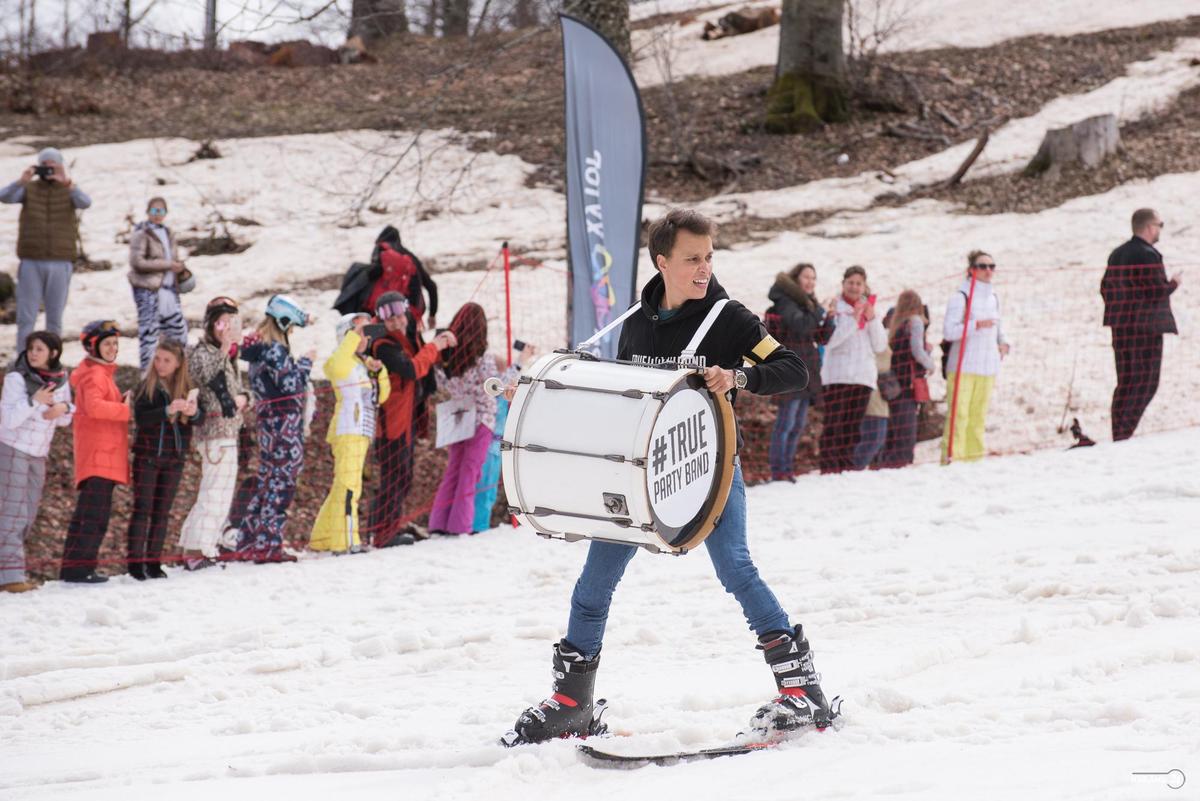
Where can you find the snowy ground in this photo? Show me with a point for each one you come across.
(914, 25)
(1023, 627)
(299, 189)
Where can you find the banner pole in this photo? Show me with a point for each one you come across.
(507, 302)
(962, 350)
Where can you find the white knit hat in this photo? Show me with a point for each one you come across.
(50, 155)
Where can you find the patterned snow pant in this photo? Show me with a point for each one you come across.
(152, 326)
(280, 457)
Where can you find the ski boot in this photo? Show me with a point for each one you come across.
(800, 702)
(569, 711)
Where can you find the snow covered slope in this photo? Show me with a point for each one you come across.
(1023, 627)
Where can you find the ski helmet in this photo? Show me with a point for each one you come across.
(286, 312)
(389, 305)
(96, 332)
(346, 323)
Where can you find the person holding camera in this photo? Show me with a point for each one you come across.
(157, 276)
(211, 367)
(46, 240)
(280, 383)
(360, 386)
(35, 400)
(467, 366)
(409, 363)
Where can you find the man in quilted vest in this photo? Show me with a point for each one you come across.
(46, 239)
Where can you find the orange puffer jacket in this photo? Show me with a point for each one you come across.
(101, 424)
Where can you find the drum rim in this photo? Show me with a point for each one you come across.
(682, 538)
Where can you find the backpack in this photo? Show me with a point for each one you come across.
(399, 274)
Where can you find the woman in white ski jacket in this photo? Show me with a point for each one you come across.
(848, 374)
(968, 395)
(36, 400)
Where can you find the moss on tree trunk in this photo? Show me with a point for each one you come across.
(801, 102)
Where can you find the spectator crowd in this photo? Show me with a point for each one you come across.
(392, 365)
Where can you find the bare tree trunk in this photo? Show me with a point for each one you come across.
(810, 76)
(66, 37)
(373, 20)
(433, 15)
(610, 17)
(32, 24)
(126, 21)
(456, 17)
(525, 14)
(210, 25)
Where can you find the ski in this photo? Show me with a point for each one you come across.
(745, 744)
(606, 759)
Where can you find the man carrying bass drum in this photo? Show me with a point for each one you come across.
(674, 304)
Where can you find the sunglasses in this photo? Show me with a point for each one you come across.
(984, 266)
(157, 211)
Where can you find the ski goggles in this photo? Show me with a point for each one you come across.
(386, 311)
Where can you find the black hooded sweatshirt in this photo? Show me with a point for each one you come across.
(738, 340)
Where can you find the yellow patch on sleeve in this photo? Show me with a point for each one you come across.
(765, 348)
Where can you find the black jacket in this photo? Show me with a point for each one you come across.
(157, 435)
(1136, 292)
(805, 325)
(737, 336)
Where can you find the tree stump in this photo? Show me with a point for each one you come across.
(1088, 142)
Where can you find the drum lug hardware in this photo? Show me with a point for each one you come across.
(505, 445)
(638, 462)
(615, 457)
(536, 448)
(660, 396)
(646, 527)
(550, 383)
(524, 380)
(636, 394)
(515, 510)
(623, 522)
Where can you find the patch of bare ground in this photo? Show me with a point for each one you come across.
(1158, 145)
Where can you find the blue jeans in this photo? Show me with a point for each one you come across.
(730, 556)
(789, 425)
(870, 443)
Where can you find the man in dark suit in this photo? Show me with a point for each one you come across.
(1137, 306)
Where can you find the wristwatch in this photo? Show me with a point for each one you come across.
(740, 379)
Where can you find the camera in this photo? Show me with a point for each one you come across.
(518, 345)
(375, 332)
(43, 171)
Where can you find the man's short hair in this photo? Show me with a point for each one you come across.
(1142, 218)
(660, 237)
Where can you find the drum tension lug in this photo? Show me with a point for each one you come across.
(623, 522)
(536, 448)
(636, 394)
(660, 396)
(638, 462)
(505, 445)
(524, 380)
(615, 457)
(550, 383)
